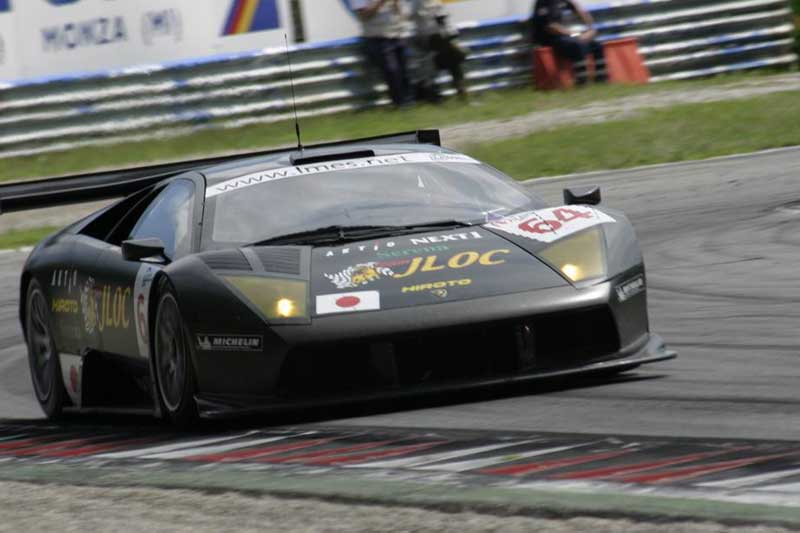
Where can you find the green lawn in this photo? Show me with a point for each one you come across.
(488, 106)
(679, 133)
(18, 238)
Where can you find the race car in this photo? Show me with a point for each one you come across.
(367, 269)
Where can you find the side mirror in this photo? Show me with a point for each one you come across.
(138, 249)
(585, 196)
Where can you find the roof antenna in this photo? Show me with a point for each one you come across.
(294, 100)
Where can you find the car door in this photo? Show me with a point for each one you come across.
(122, 286)
(89, 244)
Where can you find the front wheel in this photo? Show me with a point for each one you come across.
(173, 360)
(42, 354)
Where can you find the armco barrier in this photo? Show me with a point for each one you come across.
(679, 39)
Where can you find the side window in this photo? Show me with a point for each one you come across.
(169, 218)
(106, 224)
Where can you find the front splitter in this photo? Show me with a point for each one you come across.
(652, 350)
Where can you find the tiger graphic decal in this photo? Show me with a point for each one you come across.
(358, 275)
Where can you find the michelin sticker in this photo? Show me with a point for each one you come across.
(266, 176)
(552, 224)
(232, 343)
(630, 288)
(141, 304)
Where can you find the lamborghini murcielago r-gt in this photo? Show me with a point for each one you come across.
(352, 270)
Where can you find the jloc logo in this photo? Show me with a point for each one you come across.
(239, 343)
(432, 263)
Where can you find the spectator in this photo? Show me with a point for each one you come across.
(386, 29)
(437, 48)
(550, 28)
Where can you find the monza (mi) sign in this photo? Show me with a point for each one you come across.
(65, 37)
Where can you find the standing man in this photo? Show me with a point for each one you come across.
(386, 28)
(550, 29)
(437, 48)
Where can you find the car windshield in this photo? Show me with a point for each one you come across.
(407, 194)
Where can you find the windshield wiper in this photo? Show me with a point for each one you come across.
(341, 234)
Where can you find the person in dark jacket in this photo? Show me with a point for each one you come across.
(551, 27)
(436, 48)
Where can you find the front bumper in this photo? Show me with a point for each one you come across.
(337, 328)
(649, 349)
(589, 324)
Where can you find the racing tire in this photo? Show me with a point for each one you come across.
(43, 356)
(172, 357)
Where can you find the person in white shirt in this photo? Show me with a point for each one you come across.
(386, 29)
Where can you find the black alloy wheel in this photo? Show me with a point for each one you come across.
(42, 353)
(173, 361)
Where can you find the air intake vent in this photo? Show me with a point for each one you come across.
(280, 260)
(226, 260)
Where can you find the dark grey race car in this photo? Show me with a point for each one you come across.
(353, 270)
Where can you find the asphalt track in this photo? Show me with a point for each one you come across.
(721, 243)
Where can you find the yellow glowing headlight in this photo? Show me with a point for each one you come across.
(578, 258)
(285, 308)
(276, 299)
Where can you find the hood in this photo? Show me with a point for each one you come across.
(423, 269)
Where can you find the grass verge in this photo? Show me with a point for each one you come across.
(13, 239)
(492, 105)
(680, 133)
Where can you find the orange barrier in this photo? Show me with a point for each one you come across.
(550, 72)
(553, 72)
(624, 64)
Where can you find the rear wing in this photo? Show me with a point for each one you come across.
(21, 196)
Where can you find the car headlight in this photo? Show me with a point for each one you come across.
(276, 299)
(578, 258)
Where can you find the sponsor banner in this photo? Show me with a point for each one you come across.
(8, 58)
(630, 288)
(141, 303)
(348, 302)
(552, 224)
(267, 176)
(71, 374)
(104, 306)
(57, 37)
(64, 279)
(65, 306)
(366, 273)
(230, 343)
(438, 288)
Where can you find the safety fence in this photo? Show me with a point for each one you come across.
(679, 39)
